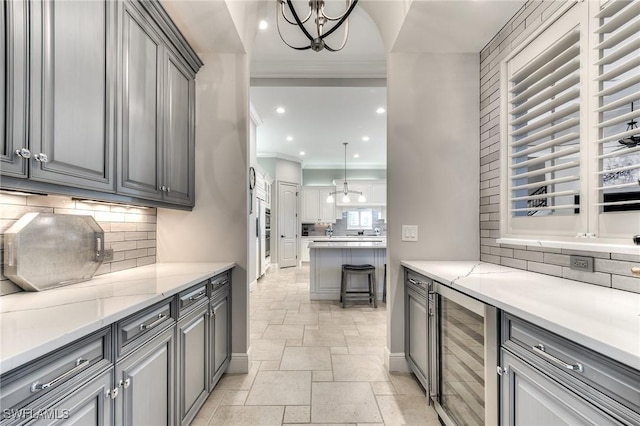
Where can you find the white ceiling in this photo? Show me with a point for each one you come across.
(320, 119)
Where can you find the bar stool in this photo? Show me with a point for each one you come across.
(369, 294)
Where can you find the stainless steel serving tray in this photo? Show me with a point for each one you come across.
(44, 250)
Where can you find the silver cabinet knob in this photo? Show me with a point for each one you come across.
(23, 153)
(163, 188)
(168, 189)
(42, 158)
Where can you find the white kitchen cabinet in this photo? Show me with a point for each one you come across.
(375, 193)
(315, 208)
(304, 249)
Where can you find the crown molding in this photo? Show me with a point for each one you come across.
(319, 69)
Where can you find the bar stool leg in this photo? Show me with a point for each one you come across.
(343, 288)
(373, 287)
(384, 285)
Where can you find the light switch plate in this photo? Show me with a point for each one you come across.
(409, 232)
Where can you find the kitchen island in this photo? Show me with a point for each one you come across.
(327, 258)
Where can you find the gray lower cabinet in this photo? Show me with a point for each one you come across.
(220, 335)
(193, 339)
(72, 104)
(530, 397)
(416, 327)
(13, 86)
(146, 383)
(86, 406)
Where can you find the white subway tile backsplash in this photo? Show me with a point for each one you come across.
(617, 267)
(545, 268)
(513, 263)
(597, 278)
(118, 223)
(625, 283)
(532, 256)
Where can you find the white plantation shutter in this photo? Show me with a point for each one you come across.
(618, 79)
(544, 131)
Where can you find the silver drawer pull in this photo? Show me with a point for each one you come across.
(197, 296)
(80, 364)
(161, 317)
(539, 348)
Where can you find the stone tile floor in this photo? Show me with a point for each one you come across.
(314, 363)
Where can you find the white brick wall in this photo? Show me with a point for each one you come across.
(611, 270)
(130, 232)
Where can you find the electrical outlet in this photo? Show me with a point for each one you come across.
(108, 255)
(409, 232)
(581, 263)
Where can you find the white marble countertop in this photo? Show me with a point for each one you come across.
(603, 319)
(348, 238)
(348, 245)
(35, 323)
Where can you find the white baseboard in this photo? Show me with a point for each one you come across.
(396, 362)
(239, 363)
(252, 285)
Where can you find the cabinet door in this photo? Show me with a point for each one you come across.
(417, 333)
(220, 340)
(377, 194)
(147, 389)
(530, 397)
(139, 146)
(88, 405)
(179, 132)
(327, 210)
(310, 205)
(72, 92)
(13, 86)
(192, 363)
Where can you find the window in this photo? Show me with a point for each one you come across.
(360, 219)
(571, 152)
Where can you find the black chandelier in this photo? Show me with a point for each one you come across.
(316, 10)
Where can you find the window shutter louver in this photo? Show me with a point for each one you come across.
(618, 78)
(544, 131)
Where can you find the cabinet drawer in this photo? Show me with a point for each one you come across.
(137, 328)
(561, 356)
(191, 297)
(417, 282)
(70, 365)
(218, 282)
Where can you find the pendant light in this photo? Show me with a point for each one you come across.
(345, 186)
(320, 19)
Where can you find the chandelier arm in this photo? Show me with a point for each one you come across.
(344, 18)
(285, 41)
(344, 40)
(298, 22)
(337, 18)
(284, 14)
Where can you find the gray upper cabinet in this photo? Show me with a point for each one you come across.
(140, 152)
(72, 101)
(13, 87)
(158, 108)
(179, 132)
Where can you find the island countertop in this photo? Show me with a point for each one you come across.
(603, 319)
(35, 323)
(348, 245)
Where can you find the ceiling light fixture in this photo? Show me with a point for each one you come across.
(280, 110)
(320, 19)
(365, 138)
(301, 152)
(289, 138)
(356, 155)
(345, 186)
(263, 25)
(380, 110)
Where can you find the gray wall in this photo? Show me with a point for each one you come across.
(432, 168)
(217, 228)
(611, 270)
(327, 176)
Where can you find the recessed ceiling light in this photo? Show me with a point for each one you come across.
(365, 138)
(280, 110)
(289, 138)
(356, 155)
(263, 25)
(301, 152)
(380, 110)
